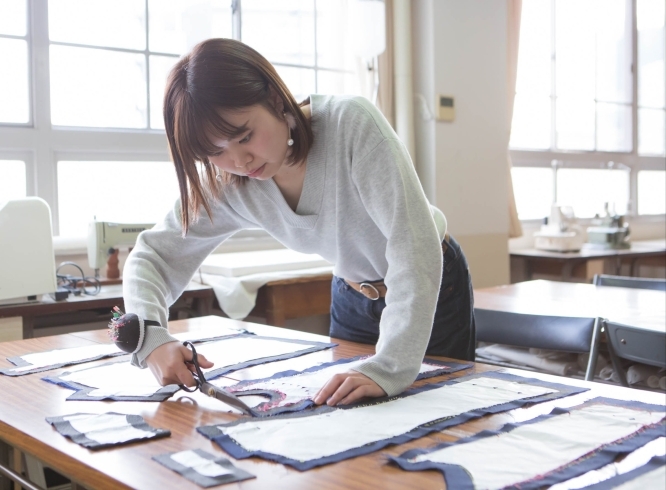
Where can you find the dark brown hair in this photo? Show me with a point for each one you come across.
(220, 74)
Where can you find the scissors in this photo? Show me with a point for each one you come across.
(209, 389)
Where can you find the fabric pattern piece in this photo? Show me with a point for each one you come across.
(292, 391)
(551, 448)
(651, 475)
(203, 468)
(330, 434)
(98, 431)
(45, 361)
(121, 381)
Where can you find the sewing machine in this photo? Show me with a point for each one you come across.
(27, 261)
(559, 233)
(105, 237)
(609, 231)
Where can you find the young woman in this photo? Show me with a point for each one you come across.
(326, 176)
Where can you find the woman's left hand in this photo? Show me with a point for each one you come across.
(345, 388)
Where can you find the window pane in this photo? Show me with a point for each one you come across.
(651, 49)
(125, 192)
(14, 91)
(613, 51)
(12, 180)
(613, 127)
(109, 23)
(159, 71)
(651, 192)
(97, 88)
(530, 127)
(651, 132)
(175, 26)
(335, 40)
(14, 19)
(533, 188)
(534, 56)
(283, 32)
(331, 83)
(575, 45)
(575, 124)
(300, 81)
(586, 190)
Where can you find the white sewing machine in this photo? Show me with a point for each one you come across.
(27, 261)
(560, 233)
(104, 237)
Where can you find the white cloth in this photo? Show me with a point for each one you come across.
(238, 295)
(541, 447)
(320, 435)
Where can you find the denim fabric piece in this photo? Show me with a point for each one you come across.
(217, 434)
(457, 477)
(135, 425)
(229, 473)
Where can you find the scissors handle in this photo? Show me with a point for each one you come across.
(198, 375)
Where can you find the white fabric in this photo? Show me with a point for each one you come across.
(305, 385)
(106, 428)
(652, 479)
(540, 360)
(74, 355)
(237, 296)
(316, 436)
(633, 460)
(70, 355)
(543, 446)
(123, 379)
(201, 465)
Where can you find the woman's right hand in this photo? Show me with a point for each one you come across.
(167, 363)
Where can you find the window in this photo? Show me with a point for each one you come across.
(586, 125)
(85, 99)
(13, 182)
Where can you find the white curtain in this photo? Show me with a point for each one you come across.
(514, 8)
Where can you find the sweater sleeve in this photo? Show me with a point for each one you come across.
(162, 264)
(394, 199)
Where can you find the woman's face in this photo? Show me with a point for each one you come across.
(260, 151)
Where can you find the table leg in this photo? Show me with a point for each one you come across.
(275, 314)
(28, 326)
(17, 466)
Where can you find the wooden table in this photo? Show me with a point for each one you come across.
(278, 301)
(637, 307)
(27, 400)
(583, 265)
(86, 308)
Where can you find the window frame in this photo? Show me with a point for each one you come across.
(635, 162)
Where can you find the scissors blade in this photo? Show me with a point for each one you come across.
(226, 397)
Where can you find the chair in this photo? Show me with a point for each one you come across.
(542, 332)
(629, 282)
(634, 344)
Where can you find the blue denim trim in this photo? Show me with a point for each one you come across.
(655, 463)
(446, 368)
(356, 318)
(456, 477)
(238, 452)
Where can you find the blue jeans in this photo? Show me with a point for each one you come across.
(356, 318)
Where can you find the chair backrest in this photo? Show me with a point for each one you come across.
(637, 344)
(538, 331)
(630, 282)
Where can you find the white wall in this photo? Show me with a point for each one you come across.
(459, 50)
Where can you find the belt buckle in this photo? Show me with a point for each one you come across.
(366, 285)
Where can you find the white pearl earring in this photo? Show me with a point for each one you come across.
(290, 121)
(218, 175)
